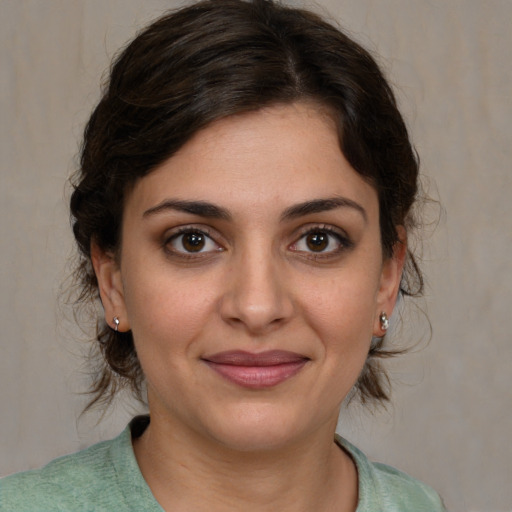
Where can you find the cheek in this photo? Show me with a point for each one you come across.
(167, 311)
(347, 303)
(341, 312)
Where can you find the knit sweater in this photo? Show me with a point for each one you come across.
(106, 477)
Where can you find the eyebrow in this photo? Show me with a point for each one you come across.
(212, 211)
(322, 205)
(200, 208)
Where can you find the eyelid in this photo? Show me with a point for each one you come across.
(342, 237)
(173, 233)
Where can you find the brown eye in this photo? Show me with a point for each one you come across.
(193, 242)
(317, 242)
(321, 241)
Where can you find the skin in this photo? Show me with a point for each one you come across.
(258, 283)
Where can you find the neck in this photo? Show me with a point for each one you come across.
(185, 471)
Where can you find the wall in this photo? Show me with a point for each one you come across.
(451, 418)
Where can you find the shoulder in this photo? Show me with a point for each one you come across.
(383, 487)
(67, 483)
(404, 492)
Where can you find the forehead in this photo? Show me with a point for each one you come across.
(254, 161)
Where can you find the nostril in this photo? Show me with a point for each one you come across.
(255, 294)
(255, 316)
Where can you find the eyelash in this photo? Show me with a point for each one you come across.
(175, 235)
(342, 241)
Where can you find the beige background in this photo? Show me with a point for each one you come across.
(451, 421)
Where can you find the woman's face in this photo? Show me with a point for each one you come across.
(252, 278)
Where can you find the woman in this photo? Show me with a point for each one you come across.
(242, 210)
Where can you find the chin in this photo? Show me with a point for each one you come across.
(255, 429)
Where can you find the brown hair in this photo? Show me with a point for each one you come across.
(210, 60)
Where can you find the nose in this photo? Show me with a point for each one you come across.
(256, 296)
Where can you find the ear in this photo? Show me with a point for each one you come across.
(110, 287)
(390, 278)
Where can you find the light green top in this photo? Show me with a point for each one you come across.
(106, 478)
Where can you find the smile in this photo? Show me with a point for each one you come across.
(256, 371)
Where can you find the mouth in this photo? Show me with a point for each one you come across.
(256, 370)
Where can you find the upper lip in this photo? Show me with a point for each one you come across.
(267, 358)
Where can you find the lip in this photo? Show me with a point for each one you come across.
(256, 370)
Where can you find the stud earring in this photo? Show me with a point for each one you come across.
(116, 322)
(384, 321)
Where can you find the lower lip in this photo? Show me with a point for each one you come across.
(258, 377)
